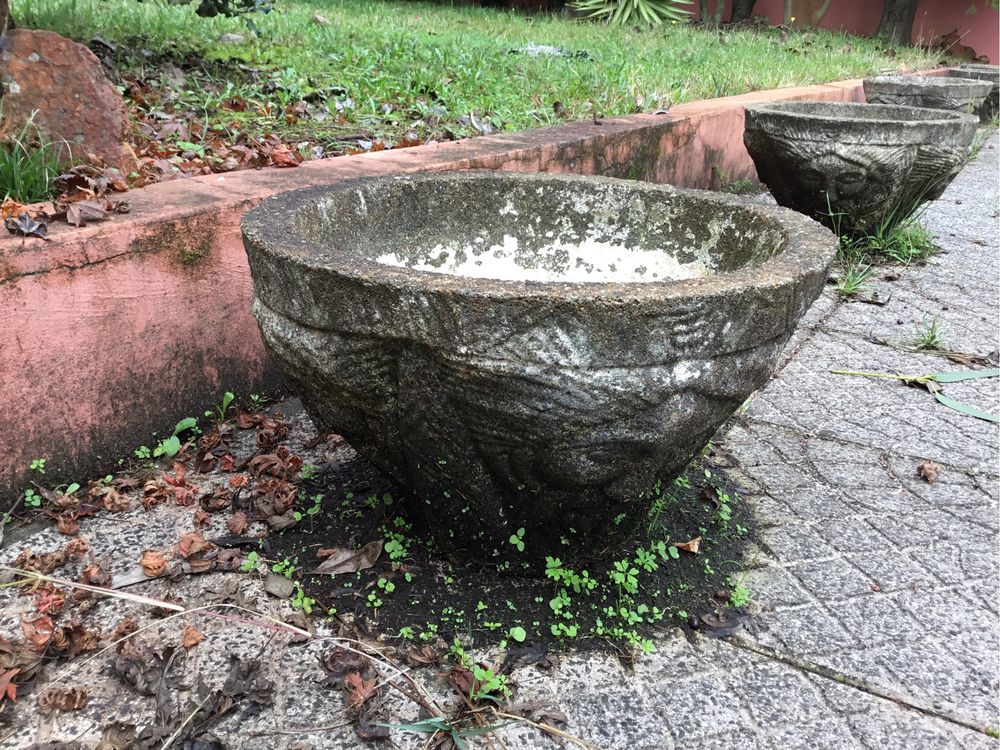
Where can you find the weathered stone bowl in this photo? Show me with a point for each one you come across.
(990, 73)
(853, 166)
(936, 92)
(528, 351)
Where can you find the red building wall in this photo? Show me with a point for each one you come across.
(976, 23)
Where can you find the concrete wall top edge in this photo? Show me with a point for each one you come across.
(178, 200)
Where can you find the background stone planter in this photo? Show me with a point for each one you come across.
(851, 165)
(991, 105)
(510, 392)
(936, 92)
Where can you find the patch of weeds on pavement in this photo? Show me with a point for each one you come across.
(894, 239)
(929, 336)
(681, 563)
(967, 359)
(902, 243)
(727, 184)
(982, 135)
(854, 277)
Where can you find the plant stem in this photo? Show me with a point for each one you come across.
(879, 375)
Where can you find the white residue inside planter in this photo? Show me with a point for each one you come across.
(589, 260)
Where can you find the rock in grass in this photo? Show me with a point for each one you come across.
(60, 87)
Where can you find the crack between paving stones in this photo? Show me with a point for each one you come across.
(750, 424)
(841, 678)
(788, 356)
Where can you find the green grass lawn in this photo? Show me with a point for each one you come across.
(388, 69)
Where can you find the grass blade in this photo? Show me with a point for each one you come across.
(971, 411)
(955, 377)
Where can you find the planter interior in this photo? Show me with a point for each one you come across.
(528, 351)
(853, 166)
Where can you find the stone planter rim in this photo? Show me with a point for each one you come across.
(922, 81)
(856, 120)
(269, 229)
(970, 74)
(915, 87)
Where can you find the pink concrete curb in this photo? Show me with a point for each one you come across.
(123, 327)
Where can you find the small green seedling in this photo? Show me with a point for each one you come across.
(32, 499)
(488, 685)
(518, 539)
(172, 445)
(251, 562)
(219, 410)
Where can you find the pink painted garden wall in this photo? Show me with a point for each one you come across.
(973, 20)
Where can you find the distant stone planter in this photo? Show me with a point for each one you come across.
(990, 73)
(852, 165)
(528, 351)
(936, 92)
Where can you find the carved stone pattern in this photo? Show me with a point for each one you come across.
(853, 184)
(590, 441)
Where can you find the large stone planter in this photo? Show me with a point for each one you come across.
(990, 73)
(528, 351)
(936, 92)
(853, 166)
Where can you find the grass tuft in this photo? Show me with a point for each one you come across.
(929, 337)
(28, 167)
(905, 243)
(854, 277)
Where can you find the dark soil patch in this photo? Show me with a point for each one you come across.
(423, 594)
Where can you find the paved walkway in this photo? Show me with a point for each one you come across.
(876, 592)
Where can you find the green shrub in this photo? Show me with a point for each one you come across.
(635, 12)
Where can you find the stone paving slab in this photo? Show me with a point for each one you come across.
(867, 569)
(875, 592)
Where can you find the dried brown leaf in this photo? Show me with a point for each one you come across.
(279, 586)
(77, 547)
(61, 699)
(67, 524)
(191, 637)
(153, 563)
(70, 640)
(691, 546)
(461, 679)
(128, 625)
(7, 687)
(37, 632)
(928, 470)
(237, 523)
(193, 543)
(342, 560)
(80, 212)
(358, 689)
(44, 563)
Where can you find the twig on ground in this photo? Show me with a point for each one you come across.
(170, 740)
